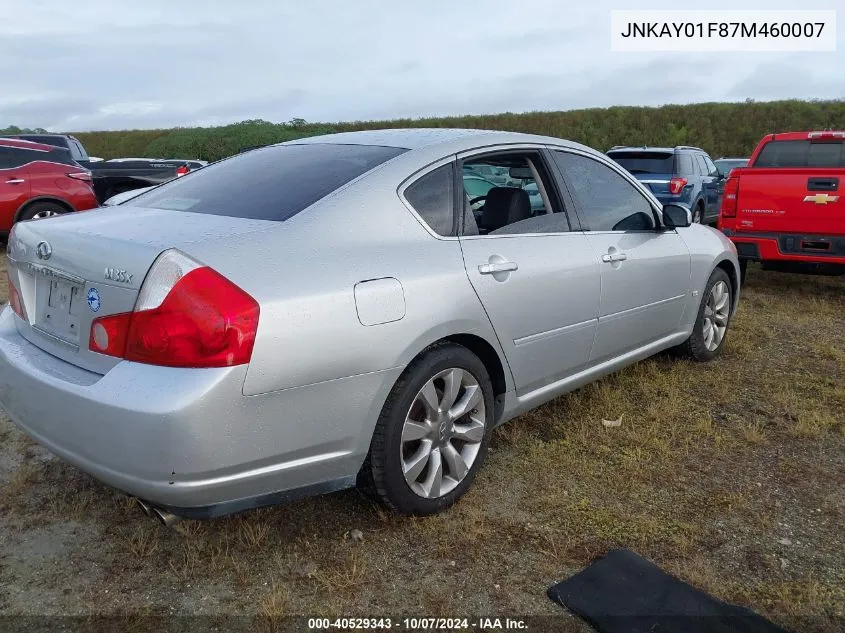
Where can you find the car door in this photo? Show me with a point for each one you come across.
(14, 184)
(538, 281)
(717, 187)
(709, 187)
(645, 270)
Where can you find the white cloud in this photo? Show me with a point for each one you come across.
(102, 64)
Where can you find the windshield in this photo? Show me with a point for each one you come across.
(273, 183)
(725, 165)
(645, 162)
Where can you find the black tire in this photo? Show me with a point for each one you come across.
(381, 477)
(694, 347)
(41, 207)
(743, 269)
(698, 214)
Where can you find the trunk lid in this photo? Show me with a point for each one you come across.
(809, 201)
(69, 270)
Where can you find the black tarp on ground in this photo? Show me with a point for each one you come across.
(624, 593)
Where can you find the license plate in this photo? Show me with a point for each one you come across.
(60, 314)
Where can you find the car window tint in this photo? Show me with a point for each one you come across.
(649, 162)
(606, 200)
(684, 163)
(9, 158)
(711, 166)
(801, 153)
(432, 197)
(77, 151)
(702, 166)
(272, 183)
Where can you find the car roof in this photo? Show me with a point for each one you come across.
(457, 140)
(669, 150)
(24, 144)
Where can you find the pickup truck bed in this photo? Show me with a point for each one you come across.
(787, 209)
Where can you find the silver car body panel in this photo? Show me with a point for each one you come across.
(350, 290)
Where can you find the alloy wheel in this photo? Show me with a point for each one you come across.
(716, 314)
(442, 433)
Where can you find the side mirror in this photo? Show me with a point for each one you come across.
(676, 216)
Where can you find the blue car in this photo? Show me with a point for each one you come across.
(676, 174)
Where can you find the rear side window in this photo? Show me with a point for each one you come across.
(646, 162)
(10, 157)
(433, 198)
(685, 166)
(804, 153)
(272, 183)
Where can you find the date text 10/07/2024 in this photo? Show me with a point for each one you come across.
(418, 624)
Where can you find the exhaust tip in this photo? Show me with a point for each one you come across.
(145, 507)
(166, 518)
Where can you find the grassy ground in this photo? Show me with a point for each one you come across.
(731, 475)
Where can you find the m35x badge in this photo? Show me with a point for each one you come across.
(115, 274)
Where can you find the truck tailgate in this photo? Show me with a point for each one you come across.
(796, 200)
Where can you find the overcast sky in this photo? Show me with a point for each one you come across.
(116, 64)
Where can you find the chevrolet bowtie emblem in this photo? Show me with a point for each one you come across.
(821, 198)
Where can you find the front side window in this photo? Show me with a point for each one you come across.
(702, 166)
(432, 197)
(517, 199)
(606, 201)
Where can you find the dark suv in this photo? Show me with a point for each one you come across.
(676, 174)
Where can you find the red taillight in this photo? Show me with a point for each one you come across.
(15, 298)
(203, 320)
(729, 197)
(181, 171)
(676, 185)
(80, 175)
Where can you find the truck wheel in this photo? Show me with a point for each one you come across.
(711, 325)
(39, 210)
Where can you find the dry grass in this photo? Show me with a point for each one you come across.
(731, 475)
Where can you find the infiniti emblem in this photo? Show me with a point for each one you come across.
(43, 250)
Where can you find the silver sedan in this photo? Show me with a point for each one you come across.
(331, 311)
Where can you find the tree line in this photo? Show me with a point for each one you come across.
(722, 129)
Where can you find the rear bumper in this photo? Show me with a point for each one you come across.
(788, 247)
(188, 439)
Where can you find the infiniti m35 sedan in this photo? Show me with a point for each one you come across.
(336, 311)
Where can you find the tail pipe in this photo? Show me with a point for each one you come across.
(164, 517)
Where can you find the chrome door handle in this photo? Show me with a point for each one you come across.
(15, 181)
(615, 257)
(500, 267)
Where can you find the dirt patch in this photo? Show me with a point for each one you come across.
(731, 475)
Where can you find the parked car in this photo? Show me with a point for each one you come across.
(725, 165)
(249, 342)
(39, 181)
(680, 174)
(112, 176)
(787, 208)
(493, 173)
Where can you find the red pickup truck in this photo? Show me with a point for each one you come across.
(787, 208)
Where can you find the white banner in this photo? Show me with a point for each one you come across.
(722, 30)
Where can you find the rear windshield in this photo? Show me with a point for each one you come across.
(646, 162)
(805, 153)
(273, 183)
